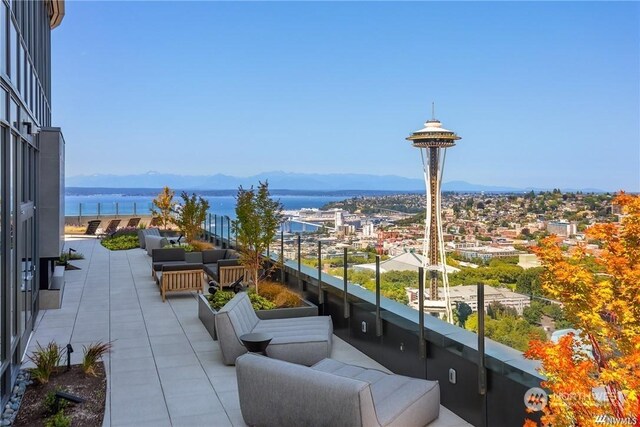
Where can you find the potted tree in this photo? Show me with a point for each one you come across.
(162, 207)
(258, 218)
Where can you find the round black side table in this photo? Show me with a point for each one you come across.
(256, 342)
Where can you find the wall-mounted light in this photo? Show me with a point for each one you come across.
(31, 128)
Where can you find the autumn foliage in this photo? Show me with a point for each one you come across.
(601, 376)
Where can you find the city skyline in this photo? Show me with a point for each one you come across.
(541, 91)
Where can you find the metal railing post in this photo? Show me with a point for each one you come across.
(421, 343)
(482, 372)
(80, 212)
(117, 209)
(320, 292)
(228, 231)
(300, 263)
(378, 320)
(282, 256)
(98, 209)
(210, 236)
(345, 282)
(135, 211)
(215, 229)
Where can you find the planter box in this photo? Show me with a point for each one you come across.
(309, 309)
(207, 315)
(51, 298)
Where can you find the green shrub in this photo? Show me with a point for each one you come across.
(258, 302)
(46, 360)
(53, 405)
(92, 354)
(120, 243)
(58, 420)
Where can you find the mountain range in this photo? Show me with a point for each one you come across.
(280, 180)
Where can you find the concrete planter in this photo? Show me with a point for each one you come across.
(51, 299)
(309, 309)
(207, 315)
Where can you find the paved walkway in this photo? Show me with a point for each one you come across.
(164, 369)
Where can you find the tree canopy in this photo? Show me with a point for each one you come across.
(605, 307)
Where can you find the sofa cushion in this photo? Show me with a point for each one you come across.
(157, 266)
(212, 271)
(212, 256)
(398, 400)
(302, 340)
(168, 255)
(182, 266)
(231, 254)
(195, 256)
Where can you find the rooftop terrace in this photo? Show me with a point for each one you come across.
(164, 369)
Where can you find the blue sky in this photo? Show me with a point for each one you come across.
(543, 94)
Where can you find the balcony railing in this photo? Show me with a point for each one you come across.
(390, 333)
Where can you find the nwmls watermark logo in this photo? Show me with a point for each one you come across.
(535, 399)
(610, 420)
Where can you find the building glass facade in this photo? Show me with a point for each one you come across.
(25, 79)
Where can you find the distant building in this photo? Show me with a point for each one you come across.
(487, 252)
(368, 229)
(528, 261)
(408, 261)
(469, 295)
(562, 228)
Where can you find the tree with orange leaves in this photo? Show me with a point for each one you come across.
(601, 385)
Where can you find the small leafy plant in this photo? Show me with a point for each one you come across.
(58, 420)
(53, 405)
(92, 354)
(258, 302)
(46, 360)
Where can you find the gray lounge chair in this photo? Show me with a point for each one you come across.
(276, 393)
(303, 340)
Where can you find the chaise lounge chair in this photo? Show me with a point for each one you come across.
(133, 222)
(92, 227)
(111, 228)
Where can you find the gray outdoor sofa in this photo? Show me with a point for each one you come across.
(221, 265)
(331, 393)
(303, 340)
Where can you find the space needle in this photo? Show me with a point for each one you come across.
(433, 141)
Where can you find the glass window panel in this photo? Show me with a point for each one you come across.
(13, 113)
(3, 38)
(20, 80)
(13, 37)
(3, 105)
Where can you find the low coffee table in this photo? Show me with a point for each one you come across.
(256, 342)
